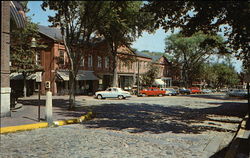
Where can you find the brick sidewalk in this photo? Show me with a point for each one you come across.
(28, 113)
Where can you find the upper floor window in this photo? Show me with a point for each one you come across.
(38, 58)
(106, 62)
(90, 61)
(61, 57)
(99, 62)
(82, 62)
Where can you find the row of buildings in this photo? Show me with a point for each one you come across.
(95, 72)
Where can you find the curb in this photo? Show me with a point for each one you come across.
(232, 151)
(12, 129)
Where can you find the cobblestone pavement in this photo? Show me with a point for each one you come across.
(182, 126)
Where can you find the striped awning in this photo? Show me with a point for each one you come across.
(17, 13)
(19, 76)
(82, 75)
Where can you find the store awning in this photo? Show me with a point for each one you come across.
(158, 82)
(82, 75)
(19, 76)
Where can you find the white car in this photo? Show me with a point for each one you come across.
(112, 92)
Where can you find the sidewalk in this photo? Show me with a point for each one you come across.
(240, 146)
(28, 111)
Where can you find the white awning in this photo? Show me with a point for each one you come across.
(19, 76)
(158, 82)
(82, 75)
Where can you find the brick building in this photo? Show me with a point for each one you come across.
(95, 72)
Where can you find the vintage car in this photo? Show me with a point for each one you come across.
(241, 93)
(184, 91)
(112, 92)
(169, 91)
(206, 91)
(195, 90)
(152, 91)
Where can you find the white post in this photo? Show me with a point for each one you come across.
(48, 108)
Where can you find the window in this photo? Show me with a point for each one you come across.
(106, 62)
(61, 57)
(38, 58)
(90, 62)
(82, 62)
(99, 64)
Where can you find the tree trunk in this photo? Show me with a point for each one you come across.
(72, 90)
(115, 77)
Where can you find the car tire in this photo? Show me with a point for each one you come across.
(120, 97)
(99, 96)
(160, 95)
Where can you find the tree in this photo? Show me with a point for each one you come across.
(191, 52)
(226, 75)
(231, 18)
(78, 21)
(121, 25)
(149, 77)
(23, 56)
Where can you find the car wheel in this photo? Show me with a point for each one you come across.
(120, 97)
(99, 96)
(144, 95)
(160, 95)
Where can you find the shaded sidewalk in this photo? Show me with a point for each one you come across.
(28, 111)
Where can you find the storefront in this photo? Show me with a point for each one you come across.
(86, 82)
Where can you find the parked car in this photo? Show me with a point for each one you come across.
(206, 91)
(112, 92)
(169, 91)
(195, 90)
(184, 91)
(152, 91)
(242, 93)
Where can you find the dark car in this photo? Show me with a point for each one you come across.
(184, 91)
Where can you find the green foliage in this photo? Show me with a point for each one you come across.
(191, 52)
(149, 77)
(22, 56)
(209, 17)
(219, 75)
(122, 23)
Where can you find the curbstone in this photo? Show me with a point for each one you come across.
(12, 129)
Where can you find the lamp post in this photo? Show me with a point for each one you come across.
(38, 80)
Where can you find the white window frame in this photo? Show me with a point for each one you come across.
(99, 61)
(38, 61)
(106, 62)
(63, 56)
(82, 62)
(90, 61)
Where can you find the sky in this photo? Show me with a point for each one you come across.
(151, 42)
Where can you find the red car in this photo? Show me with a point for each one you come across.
(195, 90)
(152, 91)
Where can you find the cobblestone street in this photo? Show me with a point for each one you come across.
(181, 126)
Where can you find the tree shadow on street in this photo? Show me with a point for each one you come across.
(137, 118)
